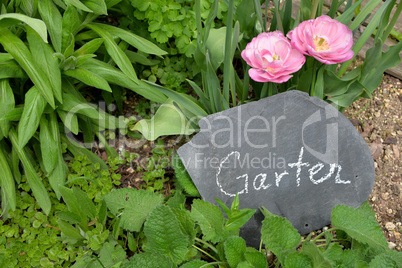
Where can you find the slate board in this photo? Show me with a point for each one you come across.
(294, 154)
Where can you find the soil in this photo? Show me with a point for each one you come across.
(379, 120)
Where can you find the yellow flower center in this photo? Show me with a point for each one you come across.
(320, 44)
(276, 57)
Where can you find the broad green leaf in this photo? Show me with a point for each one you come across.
(70, 24)
(255, 258)
(13, 45)
(186, 224)
(333, 253)
(297, 260)
(133, 206)
(279, 236)
(69, 231)
(58, 175)
(38, 25)
(235, 247)
(116, 53)
(70, 121)
(43, 58)
(53, 19)
(383, 261)
(239, 218)
(183, 178)
(49, 147)
(89, 78)
(31, 115)
(115, 76)
(150, 260)
(112, 254)
(136, 41)
(86, 204)
(68, 216)
(316, 256)
(10, 69)
(5, 57)
(15, 164)
(89, 48)
(78, 5)
(37, 187)
(360, 224)
(74, 205)
(141, 59)
(168, 120)
(72, 106)
(209, 217)
(194, 264)
(7, 181)
(97, 6)
(7, 103)
(164, 236)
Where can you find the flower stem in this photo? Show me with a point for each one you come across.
(312, 90)
(212, 263)
(203, 251)
(323, 233)
(314, 11)
(207, 244)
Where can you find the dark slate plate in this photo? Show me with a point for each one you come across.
(293, 154)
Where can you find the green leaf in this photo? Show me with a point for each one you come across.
(168, 120)
(209, 217)
(74, 205)
(32, 177)
(183, 178)
(333, 253)
(133, 206)
(5, 57)
(38, 25)
(86, 204)
(78, 5)
(279, 236)
(115, 76)
(49, 147)
(89, 48)
(89, 78)
(360, 224)
(186, 224)
(31, 115)
(68, 216)
(383, 261)
(70, 24)
(70, 120)
(13, 45)
(194, 264)
(255, 258)
(149, 260)
(53, 19)
(297, 260)
(7, 181)
(116, 53)
(73, 106)
(44, 59)
(7, 103)
(162, 230)
(316, 256)
(10, 69)
(69, 231)
(235, 247)
(112, 254)
(239, 218)
(97, 6)
(136, 41)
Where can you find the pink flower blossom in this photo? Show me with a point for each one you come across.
(272, 58)
(323, 38)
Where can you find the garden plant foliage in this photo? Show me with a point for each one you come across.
(59, 205)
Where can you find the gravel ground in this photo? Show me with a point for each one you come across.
(379, 122)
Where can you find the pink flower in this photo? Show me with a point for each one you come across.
(272, 58)
(323, 38)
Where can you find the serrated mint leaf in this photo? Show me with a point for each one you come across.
(333, 253)
(255, 258)
(235, 247)
(132, 205)
(149, 260)
(111, 253)
(194, 264)
(297, 260)
(349, 258)
(210, 219)
(360, 224)
(245, 264)
(279, 236)
(383, 261)
(317, 257)
(396, 256)
(164, 235)
(187, 225)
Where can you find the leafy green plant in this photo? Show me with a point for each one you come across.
(44, 84)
